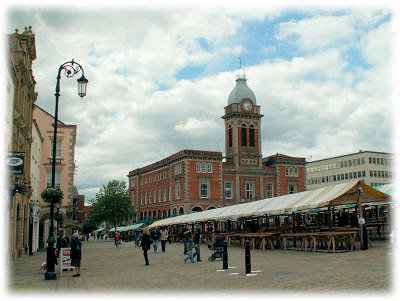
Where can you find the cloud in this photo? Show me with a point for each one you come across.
(137, 111)
(195, 127)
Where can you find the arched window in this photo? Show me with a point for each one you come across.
(145, 216)
(174, 212)
(181, 211)
(197, 209)
(154, 214)
(169, 212)
(230, 136)
(244, 135)
(141, 215)
(159, 214)
(252, 143)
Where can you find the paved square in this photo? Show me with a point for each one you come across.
(105, 268)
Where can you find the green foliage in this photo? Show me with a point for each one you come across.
(58, 217)
(88, 226)
(52, 195)
(112, 204)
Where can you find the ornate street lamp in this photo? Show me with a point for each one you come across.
(70, 69)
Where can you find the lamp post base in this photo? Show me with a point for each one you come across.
(50, 276)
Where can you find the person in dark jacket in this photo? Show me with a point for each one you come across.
(146, 245)
(62, 242)
(186, 235)
(76, 254)
(155, 236)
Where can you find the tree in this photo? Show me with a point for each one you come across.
(88, 226)
(112, 204)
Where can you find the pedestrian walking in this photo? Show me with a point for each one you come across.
(146, 245)
(164, 238)
(186, 235)
(76, 254)
(197, 239)
(155, 236)
(139, 235)
(117, 240)
(189, 251)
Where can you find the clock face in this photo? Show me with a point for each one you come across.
(247, 106)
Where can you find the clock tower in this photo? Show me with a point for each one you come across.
(243, 128)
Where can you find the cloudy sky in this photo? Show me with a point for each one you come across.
(160, 76)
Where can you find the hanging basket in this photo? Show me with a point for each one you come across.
(52, 195)
(58, 217)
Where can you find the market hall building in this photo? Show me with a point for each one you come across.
(194, 180)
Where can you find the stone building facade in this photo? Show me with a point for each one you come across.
(20, 98)
(194, 180)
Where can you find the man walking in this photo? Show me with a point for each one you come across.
(186, 235)
(197, 239)
(155, 236)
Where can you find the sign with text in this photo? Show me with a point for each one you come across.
(65, 258)
(16, 164)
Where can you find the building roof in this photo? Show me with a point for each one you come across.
(352, 154)
(240, 92)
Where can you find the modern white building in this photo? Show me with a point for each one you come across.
(372, 168)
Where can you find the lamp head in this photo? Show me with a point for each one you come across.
(82, 86)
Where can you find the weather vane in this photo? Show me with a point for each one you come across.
(241, 62)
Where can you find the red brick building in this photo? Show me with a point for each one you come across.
(193, 180)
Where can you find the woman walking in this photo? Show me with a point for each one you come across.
(76, 254)
(164, 238)
(117, 240)
(146, 245)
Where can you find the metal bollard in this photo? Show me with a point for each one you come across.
(225, 257)
(247, 257)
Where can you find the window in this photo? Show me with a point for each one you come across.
(209, 168)
(58, 148)
(204, 168)
(228, 190)
(293, 171)
(292, 188)
(178, 169)
(57, 179)
(249, 190)
(178, 190)
(159, 195)
(244, 135)
(269, 189)
(252, 143)
(204, 189)
(165, 194)
(198, 167)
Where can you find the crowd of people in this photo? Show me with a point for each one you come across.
(142, 238)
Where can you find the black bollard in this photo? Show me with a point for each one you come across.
(365, 237)
(225, 257)
(247, 257)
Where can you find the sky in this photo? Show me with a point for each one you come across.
(160, 76)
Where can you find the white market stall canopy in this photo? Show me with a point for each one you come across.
(126, 228)
(334, 195)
